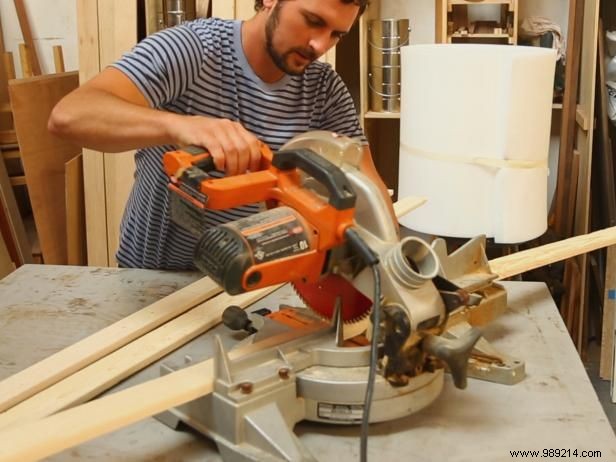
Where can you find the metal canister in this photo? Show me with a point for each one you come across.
(385, 39)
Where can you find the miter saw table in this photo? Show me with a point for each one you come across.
(45, 308)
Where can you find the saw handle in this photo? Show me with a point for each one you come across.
(341, 194)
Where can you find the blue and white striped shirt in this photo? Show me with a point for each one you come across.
(199, 68)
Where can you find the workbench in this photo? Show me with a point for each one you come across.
(45, 308)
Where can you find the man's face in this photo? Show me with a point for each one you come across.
(298, 32)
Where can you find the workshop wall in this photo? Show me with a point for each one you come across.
(53, 22)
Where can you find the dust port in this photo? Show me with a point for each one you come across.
(413, 262)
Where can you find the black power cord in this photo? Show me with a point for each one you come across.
(371, 259)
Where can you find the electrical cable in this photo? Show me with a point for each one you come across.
(372, 260)
(376, 308)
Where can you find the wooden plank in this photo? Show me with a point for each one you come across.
(43, 156)
(76, 425)
(18, 237)
(24, 59)
(113, 368)
(58, 59)
(93, 161)
(581, 224)
(562, 210)
(609, 212)
(7, 265)
(56, 367)
(119, 179)
(24, 24)
(606, 362)
(526, 260)
(76, 249)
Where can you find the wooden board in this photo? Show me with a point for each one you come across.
(606, 364)
(76, 248)
(581, 224)
(45, 373)
(43, 156)
(18, 238)
(526, 260)
(6, 262)
(26, 31)
(562, 213)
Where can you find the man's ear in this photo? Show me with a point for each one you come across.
(269, 4)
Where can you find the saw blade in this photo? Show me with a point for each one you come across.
(321, 297)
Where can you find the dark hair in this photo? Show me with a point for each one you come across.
(361, 3)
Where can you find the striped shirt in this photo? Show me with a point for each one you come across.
(199, 68)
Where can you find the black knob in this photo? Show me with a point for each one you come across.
(236, 318)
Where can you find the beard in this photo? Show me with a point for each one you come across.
(281, 59)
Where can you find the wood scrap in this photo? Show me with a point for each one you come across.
(43, 156)
(26, 31)
(45, 373)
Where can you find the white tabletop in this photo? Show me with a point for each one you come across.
(45, 308)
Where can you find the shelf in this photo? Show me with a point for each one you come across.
(481, 2)
(381, 115)
(493, 36)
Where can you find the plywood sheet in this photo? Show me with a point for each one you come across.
(43, 156)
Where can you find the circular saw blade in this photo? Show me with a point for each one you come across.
(321, 297)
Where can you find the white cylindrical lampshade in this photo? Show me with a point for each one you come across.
(474, 139)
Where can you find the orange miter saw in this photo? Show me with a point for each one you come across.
(327, 229)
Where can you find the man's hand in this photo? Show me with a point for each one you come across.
(234, 149)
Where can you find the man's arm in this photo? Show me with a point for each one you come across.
(110, 114)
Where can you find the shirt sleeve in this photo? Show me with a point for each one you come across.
(164, 64)
(339, 112)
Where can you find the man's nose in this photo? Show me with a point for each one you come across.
(321, 43)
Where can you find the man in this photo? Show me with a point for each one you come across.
(219, 84)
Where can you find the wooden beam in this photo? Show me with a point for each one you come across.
(527, 260)
(45, 373)
(26, 31)
(122, 363)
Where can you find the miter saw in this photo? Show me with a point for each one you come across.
(375, 303)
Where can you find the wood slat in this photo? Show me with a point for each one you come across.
(526, 260)
(24, 24)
